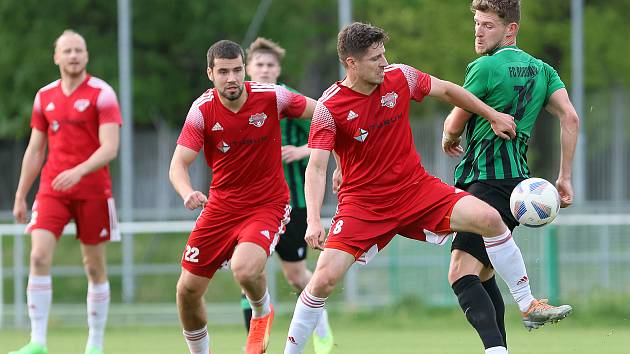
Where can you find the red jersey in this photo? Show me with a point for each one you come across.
(243, 148)
(371, 133)
(72, 123)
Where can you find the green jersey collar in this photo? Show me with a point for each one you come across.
(507, 47)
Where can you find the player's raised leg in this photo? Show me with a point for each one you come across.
(473, 215)
(192, 311)
(248, 268)
(332, 265)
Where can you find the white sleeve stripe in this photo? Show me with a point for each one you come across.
(199, 103)
(328, 90)
(263, 90)
(50, 85)
(331, 94)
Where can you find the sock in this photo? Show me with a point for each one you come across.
(39, 298)
(198, 340)
(507, 261)
(308, 311)
(247, 311)
(262, 307)
(322, 326)
(478, 309)
(499, 306)
(97, 309)
(496, 350)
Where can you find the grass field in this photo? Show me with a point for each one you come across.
(396, 330)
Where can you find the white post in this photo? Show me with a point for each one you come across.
(126, 150)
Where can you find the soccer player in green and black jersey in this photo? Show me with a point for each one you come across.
(511, 81)
(263, 65)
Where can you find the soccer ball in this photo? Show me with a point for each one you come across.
(535, 202)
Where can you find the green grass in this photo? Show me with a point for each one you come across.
(395, 330)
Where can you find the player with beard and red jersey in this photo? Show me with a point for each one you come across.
(385, 190)
(78, 118)
(238, 125)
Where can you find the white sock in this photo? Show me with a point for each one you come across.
(322, 326)
(308, 311)
(97, 309)
(198, 340)
(39, 298)
(496, 350)
(507, 260)
(262, 307)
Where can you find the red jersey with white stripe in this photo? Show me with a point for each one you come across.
(243, 148)
(371, 133)
(72, 123)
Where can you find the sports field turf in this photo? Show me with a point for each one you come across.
(383, 332)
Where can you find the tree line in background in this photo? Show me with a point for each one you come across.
(170, 40)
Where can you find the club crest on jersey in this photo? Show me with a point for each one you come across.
(360, 135)
(223, 146)
(54, 126)
(81, 104)
(389, 100)
(257, 119)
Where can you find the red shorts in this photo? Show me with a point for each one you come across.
(421, 212)
(217, 232)
(95, 218)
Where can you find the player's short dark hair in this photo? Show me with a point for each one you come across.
(265, 46)
(224, 49)
(508, 10)
(356, 38)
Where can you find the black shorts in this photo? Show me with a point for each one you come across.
(292, 247)
(495, 192)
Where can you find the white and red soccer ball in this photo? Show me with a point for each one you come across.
(535, 202)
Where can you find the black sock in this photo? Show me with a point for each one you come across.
(499, 306)
(478, 309)
(247, 311)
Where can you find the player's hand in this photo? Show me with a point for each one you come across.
(19, 210)
(194, 200)
(566, 191)
(315, 235)
(66, 179)
(451, 145)
(336, 180)
(503, 126)
(292, 153)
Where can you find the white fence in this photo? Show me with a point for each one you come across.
(576, 257)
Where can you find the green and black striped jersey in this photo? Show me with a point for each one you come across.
(295, 132)
(513, 82)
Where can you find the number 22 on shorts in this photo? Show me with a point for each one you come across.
(191, 254)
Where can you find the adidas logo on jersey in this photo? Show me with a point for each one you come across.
(217, 127)
(266, 234)
(50, 107)
(352, 115)
(360, 135)
(104, 233)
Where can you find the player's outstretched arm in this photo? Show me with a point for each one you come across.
(108, 136)
(31, 165)
(560, 106)
(183, 157)
(502, 124)
(453, 128)
(309, 109)
(314, 189)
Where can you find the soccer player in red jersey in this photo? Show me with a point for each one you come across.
(78, 119)
(385, 190)
(237, 123)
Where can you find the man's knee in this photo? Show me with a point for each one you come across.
(188, 291)
(41, 259)
(246, 272)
